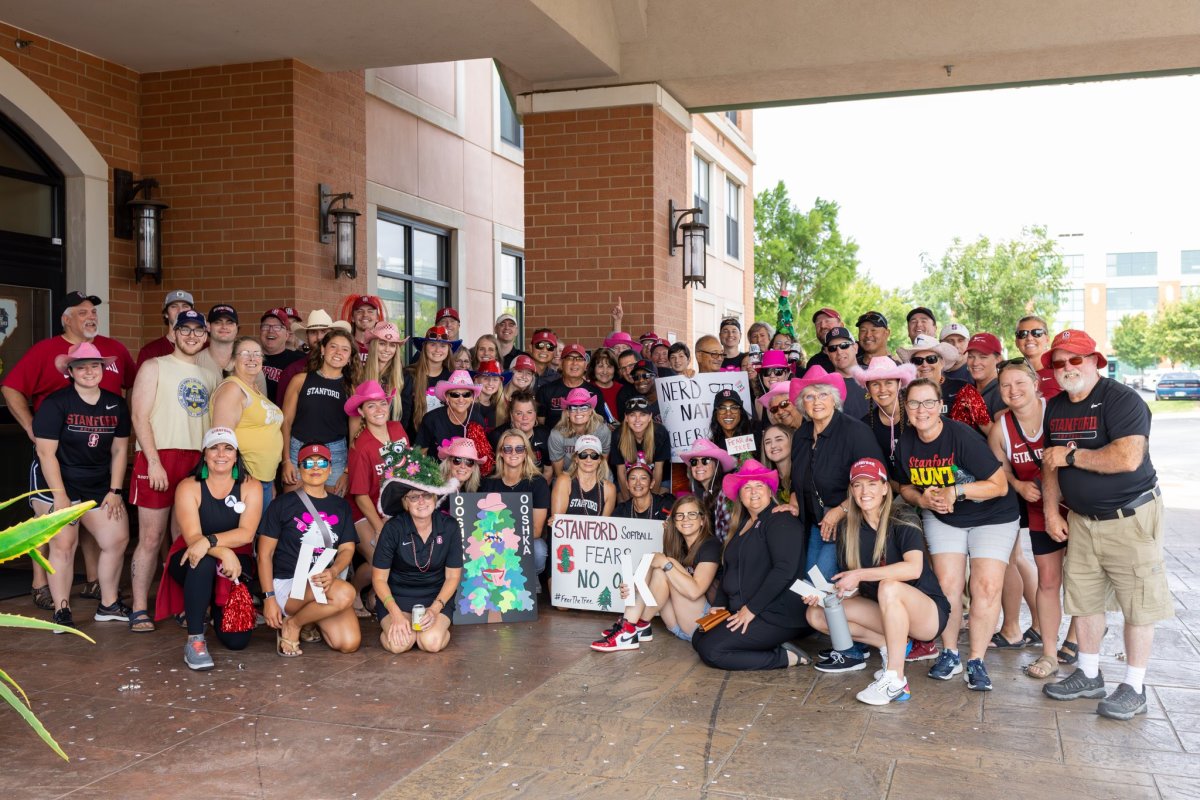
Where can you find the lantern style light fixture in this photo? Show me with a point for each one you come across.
(689, 236)
(140, 219)
(342, 230)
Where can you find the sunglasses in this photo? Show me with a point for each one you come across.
(588, 455)
(459, 461)
(833, 348)
(315, 463)
(574, 409)
(700, 461)
(1012, 362)
(509, 449)
(919, 360)
(782, 404)
(680, 516)
(544, 346)
(642, 376)
(637, 404)
(775, 372)
(1074, 361)
(459, 395)
(1036, 333)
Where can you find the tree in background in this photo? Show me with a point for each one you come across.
(1134, 343)
(990, 286)
(1176, 333)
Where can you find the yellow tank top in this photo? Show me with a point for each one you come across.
(181, 412)
(259, 432)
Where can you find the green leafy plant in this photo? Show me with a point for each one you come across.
(24, 539)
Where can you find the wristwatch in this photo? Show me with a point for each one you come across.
(1070, 459)
(667, 567)
(212, 539)
(960, 491)
(118, 491)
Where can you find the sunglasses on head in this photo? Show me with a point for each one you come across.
(508, 449)
(700, 461)
(919, 360)
(459, 395)
(1012, 362)
(1036, 333)
(637, 404)
(1074, 361)
(315, 463)
(588, 455)
(833, 348)
(459, 461)
(782, 404)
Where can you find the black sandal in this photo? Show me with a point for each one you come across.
(1032, 638)
(1000, 643)
(1068, 653)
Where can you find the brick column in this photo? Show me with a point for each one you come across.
(597, 182)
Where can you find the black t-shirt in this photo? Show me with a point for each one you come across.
(552, 396)
(888, 438)
(709, 551)
(1111, 411)
(991, 398)
(950, 389)
(857, 402)
(417, 569)
(733, 361)
(511, 357)
(660, 508)
(273, 367)
(84, 433)
(625, 393)
(536, 486)
(539, 437)
(820, 359)
(901, 539)
(934, 463)
(662, 450)
(436, 428)
(287, 520)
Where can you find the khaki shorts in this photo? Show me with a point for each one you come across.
(1123, 556)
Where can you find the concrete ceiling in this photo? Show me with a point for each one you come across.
(707, 53)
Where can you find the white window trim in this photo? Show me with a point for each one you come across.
(503, 237)
(499, 146)
(739, 259)
(391, 94)
(733, 133)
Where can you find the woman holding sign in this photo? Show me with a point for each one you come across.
(517, 471)
(418, 562)
(730, 420)
(298, 533)
(761, 558)
(639, 439)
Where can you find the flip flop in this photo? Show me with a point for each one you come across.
(311, 634)
(1000, 643)
(287, 648)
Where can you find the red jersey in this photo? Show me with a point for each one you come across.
(35, 376)
(1047, 384)
(366, 467)
(1024, 467)
(162, 346)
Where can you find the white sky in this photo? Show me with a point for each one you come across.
(911, 173)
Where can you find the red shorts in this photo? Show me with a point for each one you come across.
(178, 464)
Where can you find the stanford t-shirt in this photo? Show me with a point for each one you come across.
(84, 433)
(1111, 411)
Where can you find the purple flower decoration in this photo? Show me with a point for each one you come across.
(413, 468)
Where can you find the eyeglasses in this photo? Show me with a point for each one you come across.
(1074, 361)
(315, 463)
(272, 327)
(191, 333)
(700, 461)
(1036, 333)
(833, 348)
(711, 353)
(509, 449)
(812, 397)
(577, 409)
(680, 516)
(928, 405)
(588, 455)
(544, 346)
(249, 355)
(459, 461)
(782, 404)
(419, 497)
(459, 395)
(775, 372)
(728, 407)
(919, 360)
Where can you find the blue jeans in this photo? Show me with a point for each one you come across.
(820, 553)
(268, 488)
(339, 451)
(541, 554)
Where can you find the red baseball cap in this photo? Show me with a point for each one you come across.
(574, 350)
(314, 450)
(293, 313)
(985, 343)
(452, 313)
(868, 468)
(1074, 341)
(829, 312)
(523, 362)
(279, 313)
(365, 300)
(545, 336)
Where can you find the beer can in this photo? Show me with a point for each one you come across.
(418, 614)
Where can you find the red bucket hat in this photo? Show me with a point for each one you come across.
(1074, 341)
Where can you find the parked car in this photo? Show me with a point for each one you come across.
(1152, 378)
(1178, 386)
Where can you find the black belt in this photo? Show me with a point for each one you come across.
(1129, 510)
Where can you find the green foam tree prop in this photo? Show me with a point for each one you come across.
(493, 582)
(784, 322)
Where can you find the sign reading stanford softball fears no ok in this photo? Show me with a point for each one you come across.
(585, 558)
(685, 404)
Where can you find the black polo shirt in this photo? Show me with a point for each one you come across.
(821, 475)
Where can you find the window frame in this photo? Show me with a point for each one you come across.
(445, 268)
(518, 300)
(733, 220)
(703, 202)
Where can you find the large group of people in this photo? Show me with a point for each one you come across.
(310, 459)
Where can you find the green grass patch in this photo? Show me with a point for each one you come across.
(1172, 406)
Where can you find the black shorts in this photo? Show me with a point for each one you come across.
(37, 483)
(1043, 545)
(943, 609)
(1023, 508)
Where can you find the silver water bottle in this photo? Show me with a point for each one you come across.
(839, 628)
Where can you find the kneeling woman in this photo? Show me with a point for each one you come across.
(882, 554)
(763, 555)
(418, 561)
(310, 515)
(218, 513)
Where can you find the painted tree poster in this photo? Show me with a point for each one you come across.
(499, 581)
(586, 553)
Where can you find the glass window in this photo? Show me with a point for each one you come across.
(732, 117)
(512, 289)
(413, 268)
(700, 188)
(1074, 265)
(1189, 262)
(1138, 298)
(511, 130)
(733, 213)
(1125, 264)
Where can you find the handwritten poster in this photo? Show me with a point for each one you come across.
(586, 555)
(686, 404)
(499, 576)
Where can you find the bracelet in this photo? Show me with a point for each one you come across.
(386, 600)
(118, 492)
(269, 594)
(440, 600)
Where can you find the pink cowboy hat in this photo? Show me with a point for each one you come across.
(702, 448)
(84, 351)
(621, 337)
(366, 391)
(460, 447)
(882, 368)
(773, 358)
(815, 375)
(459, 379)
(751, 470)
(579, 397)
(783, 390)
(386, 332)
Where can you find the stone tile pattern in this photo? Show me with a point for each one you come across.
(527, 710)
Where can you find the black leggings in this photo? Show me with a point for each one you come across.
(198, 595)
(757, 648)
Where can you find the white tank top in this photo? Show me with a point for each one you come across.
(181, 412)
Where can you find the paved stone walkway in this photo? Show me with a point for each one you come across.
(529, 711)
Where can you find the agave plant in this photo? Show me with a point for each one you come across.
(24, 539)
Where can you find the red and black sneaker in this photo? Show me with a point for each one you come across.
(644, 631)
(922, 651)
(626, 638)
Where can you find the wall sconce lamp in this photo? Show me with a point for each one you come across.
(140, 219)
(691, 241)
(341, 231)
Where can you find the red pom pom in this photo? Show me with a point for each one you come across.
(483, 448)
(970, 408)
(239, 613)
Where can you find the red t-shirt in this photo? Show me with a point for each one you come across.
(35, 376)
(162, 346)
(1047, 384)
(366, 467)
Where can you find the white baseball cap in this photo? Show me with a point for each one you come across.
(589, 442)
(506, 317)
(955, 329)
(216, 436)
(178, 296)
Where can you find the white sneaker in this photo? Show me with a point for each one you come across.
(886, 688)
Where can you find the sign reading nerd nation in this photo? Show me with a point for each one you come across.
(686, 405)
(586, 555)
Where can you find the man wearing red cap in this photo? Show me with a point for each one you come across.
(1097, 462)
(362, 311)
(274, 332)
(550, 396)
(824, 320)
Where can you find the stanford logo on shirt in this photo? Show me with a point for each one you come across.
(93, 440)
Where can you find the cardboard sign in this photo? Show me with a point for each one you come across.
(739, 444)
(586, 554)
(499, 580)
(686, 404)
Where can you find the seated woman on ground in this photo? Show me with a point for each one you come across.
(217, 513)
(418, 561)
(289, 526)
(881, 553)
(680, 578)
